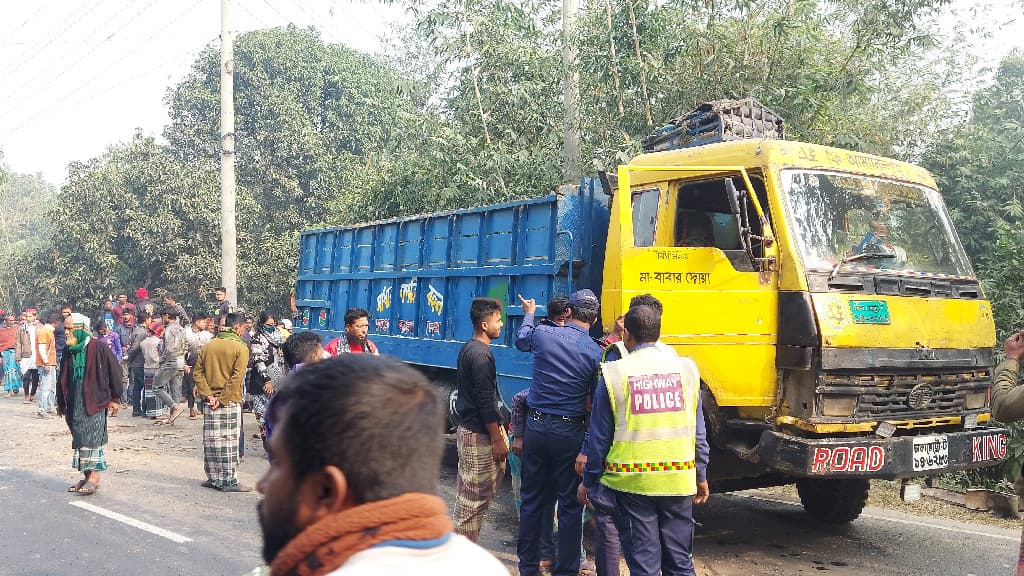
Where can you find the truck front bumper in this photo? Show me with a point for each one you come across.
(887, 458)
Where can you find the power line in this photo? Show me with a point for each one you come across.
(44, 70)
(71, 17)
(110, 66)
(31, 16)
(255, 17)
(80, 58)
(153, 69)
(274, 8)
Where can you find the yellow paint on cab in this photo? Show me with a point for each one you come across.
(727, 319)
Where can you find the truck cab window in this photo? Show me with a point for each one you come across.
(645, 215)
(703, 218)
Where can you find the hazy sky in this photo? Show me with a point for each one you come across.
(80, 75)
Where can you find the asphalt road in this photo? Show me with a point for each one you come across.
(755, 534)
(152, 517)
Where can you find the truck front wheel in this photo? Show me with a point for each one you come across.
(837, 501)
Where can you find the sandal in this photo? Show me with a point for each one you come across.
(159, 421)
(87, 488)
(76, 487)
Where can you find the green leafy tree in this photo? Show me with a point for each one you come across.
(979, 166)
(311, 120)
(25, 202)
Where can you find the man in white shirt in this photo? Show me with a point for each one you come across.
(25, 352)
(365, 503)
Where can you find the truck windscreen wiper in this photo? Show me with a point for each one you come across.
(854, 257)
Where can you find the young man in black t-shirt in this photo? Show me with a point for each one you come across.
(481, 440)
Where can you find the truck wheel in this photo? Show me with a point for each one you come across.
(451, 393)
(833, 501)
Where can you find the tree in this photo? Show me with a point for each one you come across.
(135, 216)
(25, 202)
(317, 127)
(979, 166)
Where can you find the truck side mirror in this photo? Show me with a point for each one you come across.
(733, 195)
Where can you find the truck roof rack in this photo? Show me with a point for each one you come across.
(717, 121)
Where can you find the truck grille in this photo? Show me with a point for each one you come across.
(905, 395)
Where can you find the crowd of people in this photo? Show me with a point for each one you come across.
(583, 436)
(162, 363)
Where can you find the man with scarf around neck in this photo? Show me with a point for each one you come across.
(363, 499)
(89, 386)
(219, 373)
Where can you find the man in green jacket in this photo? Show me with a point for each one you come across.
(1008, 404)
(1007, 397)
(219, 375)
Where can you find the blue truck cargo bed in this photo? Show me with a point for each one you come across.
(417, 275)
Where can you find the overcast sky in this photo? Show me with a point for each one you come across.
(80, 75)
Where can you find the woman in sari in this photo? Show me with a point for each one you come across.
(10, 374)
(90, 386)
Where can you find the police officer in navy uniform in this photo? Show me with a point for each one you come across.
(648, 444)
(565, 364)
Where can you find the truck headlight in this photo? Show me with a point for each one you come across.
(975, 400)
(838, 405)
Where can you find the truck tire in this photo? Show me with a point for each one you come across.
(450, 393)
(838, 501)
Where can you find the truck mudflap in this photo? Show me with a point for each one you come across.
(886, 458)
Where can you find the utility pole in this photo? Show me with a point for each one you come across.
(228, 234)
(571, 96)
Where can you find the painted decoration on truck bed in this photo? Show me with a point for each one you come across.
(384, 299)
(433, 328)
(435, 300)
(406, 326)
(305, 317)
(322, 319)
(407, 292)
(382, 325)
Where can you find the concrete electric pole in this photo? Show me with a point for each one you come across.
(571, 97)
(228, 234)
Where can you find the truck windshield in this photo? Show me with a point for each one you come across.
(859, 223)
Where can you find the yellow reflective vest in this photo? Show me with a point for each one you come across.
(653, 394)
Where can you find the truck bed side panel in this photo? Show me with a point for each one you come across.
(417, 276)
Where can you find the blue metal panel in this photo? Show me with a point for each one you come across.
(418, 275)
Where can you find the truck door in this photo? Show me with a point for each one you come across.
(685, 244)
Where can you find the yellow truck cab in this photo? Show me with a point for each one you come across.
(840, 332)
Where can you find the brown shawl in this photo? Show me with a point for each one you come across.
(325, 546)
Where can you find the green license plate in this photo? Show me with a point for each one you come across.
(870, 311)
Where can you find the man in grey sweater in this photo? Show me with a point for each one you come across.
(167, 382)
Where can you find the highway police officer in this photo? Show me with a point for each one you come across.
(648, 444)
(565, 363)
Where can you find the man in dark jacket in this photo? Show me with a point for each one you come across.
(90, 385)
(133, 330)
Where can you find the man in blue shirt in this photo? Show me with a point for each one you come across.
(565, 364)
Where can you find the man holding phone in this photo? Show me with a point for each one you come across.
(219, 377)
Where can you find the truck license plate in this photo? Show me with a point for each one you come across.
(931, 452)
(870, 311)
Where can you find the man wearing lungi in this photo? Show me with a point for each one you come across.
(219, 375)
